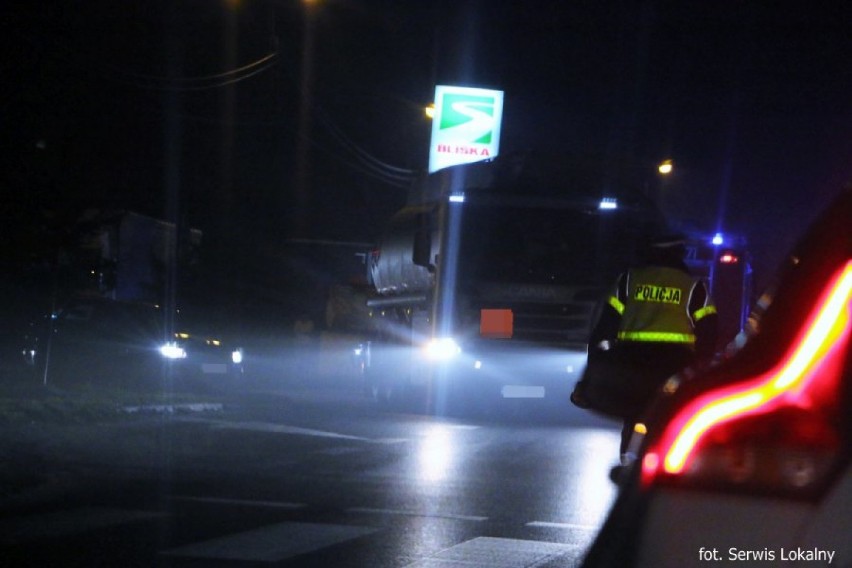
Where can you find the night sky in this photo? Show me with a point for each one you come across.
(259, 121)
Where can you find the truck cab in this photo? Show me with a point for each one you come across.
(488, 280)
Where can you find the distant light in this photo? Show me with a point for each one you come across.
(429, 110)
(718, 239)
(729, 258)
(666, 167)
(237, 356)
(172, 350)
(477, 365)
(457, 198)
(608, 203)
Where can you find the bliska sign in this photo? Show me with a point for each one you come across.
(466, 126)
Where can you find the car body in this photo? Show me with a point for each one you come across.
(108, 342)
(750, 461)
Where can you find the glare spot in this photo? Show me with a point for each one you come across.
(435, 454)
(591, 454)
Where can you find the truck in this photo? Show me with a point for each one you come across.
(131, 255)
(76, 250)
(112, 321)
(487, 281)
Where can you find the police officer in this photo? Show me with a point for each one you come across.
(657, 320)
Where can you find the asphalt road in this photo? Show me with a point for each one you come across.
(308, 475)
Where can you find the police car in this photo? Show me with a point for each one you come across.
(750, 462)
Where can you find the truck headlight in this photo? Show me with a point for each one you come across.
(171, 350)
(442, 349)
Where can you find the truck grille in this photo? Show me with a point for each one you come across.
(549, 323)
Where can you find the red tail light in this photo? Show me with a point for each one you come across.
(728, 258)
(773, 431)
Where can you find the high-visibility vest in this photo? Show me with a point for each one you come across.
(660, 305)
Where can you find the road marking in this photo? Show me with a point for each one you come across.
(174, 408)
(271, 543)
(571, 526)
(489, 552)
(402, 513)
(522, 391)
(68, 523)
(272, 427)
(340, 451)
(239, 502)
(285, 429)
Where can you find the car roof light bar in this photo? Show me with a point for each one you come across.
(829, 321)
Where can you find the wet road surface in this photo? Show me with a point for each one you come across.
(310, 475)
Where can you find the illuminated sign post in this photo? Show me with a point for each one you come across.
(466, 126)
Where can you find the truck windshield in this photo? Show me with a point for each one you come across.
(540, 245)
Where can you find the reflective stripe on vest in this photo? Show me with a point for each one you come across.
(705, 311)
(657, 337)
(616, 304)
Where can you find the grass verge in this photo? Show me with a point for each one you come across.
(30, 402)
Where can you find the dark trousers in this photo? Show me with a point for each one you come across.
(648, 366)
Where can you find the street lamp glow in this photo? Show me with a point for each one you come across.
(666, 167)
(429, 110)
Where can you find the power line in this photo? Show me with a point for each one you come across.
(354, 156)
(201, 83)
(202, 78)
(122, 73)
